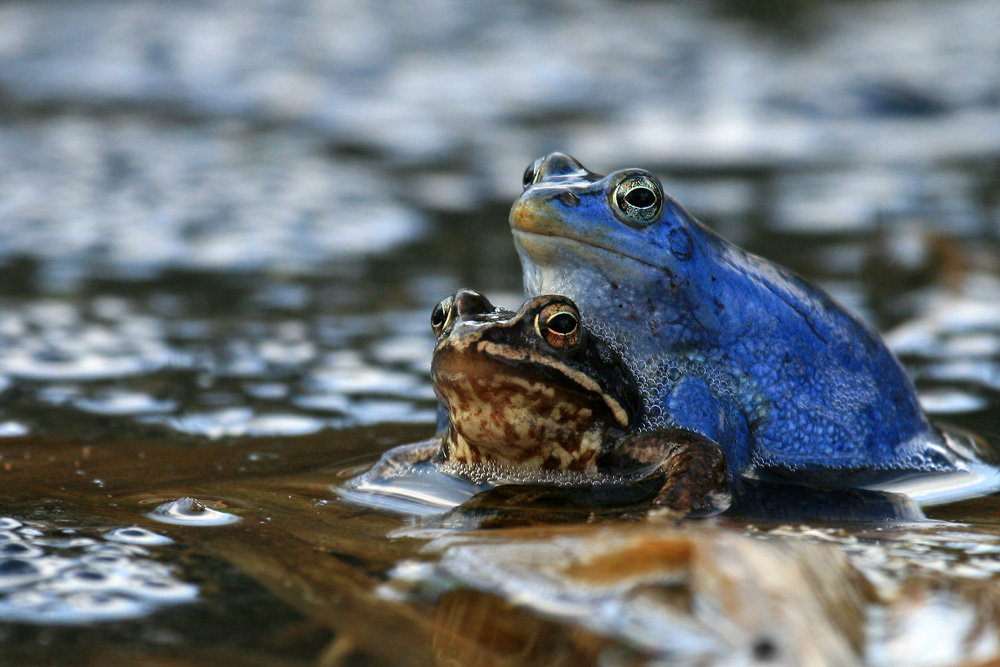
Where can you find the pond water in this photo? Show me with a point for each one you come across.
(223, 227)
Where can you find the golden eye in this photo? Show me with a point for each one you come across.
(638, 199)
(441, 315)
(559, 325)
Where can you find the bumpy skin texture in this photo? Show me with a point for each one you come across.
(727, 344)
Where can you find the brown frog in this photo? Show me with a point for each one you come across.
(533, 396)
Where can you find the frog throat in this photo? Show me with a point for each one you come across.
(579, 457)
(577, 377)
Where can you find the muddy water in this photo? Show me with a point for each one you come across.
(223, 227)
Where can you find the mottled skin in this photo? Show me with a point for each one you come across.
(533, 395)
(725, 343)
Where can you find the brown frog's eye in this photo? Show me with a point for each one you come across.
(441, 315)
(638, 199)
(559, 325)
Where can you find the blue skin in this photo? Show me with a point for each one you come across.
(730, 345)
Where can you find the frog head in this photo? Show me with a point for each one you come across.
(627, 252)
(531, 389)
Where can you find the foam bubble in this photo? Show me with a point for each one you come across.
(191, 512)
(136, 535)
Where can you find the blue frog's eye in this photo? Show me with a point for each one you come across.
(637, 199)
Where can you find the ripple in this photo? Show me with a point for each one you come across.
(191, 512)
(19, 550)
(84, 367)
(951, 401)
(136, 535)
(240, 421)
(383, 411)
(120, 402)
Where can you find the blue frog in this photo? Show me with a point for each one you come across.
(724, 343)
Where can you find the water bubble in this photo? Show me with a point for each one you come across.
(136, 535)
(89, 580)
(16, 572)
(191, 512)
(109, 549)
(165, 590)
(7, 523)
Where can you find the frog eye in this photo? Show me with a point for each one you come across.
(559, 325)
(638, 199)
(441, 315)
(530, 175)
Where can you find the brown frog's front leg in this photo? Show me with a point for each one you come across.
(693, 466)
(402, 458)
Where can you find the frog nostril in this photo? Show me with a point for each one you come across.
(569, 198)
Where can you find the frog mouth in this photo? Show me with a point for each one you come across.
(524, 238)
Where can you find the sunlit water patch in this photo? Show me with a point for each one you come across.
(66, 576)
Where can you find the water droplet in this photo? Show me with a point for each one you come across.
(191, 512)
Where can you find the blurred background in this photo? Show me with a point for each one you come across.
(231, 218)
